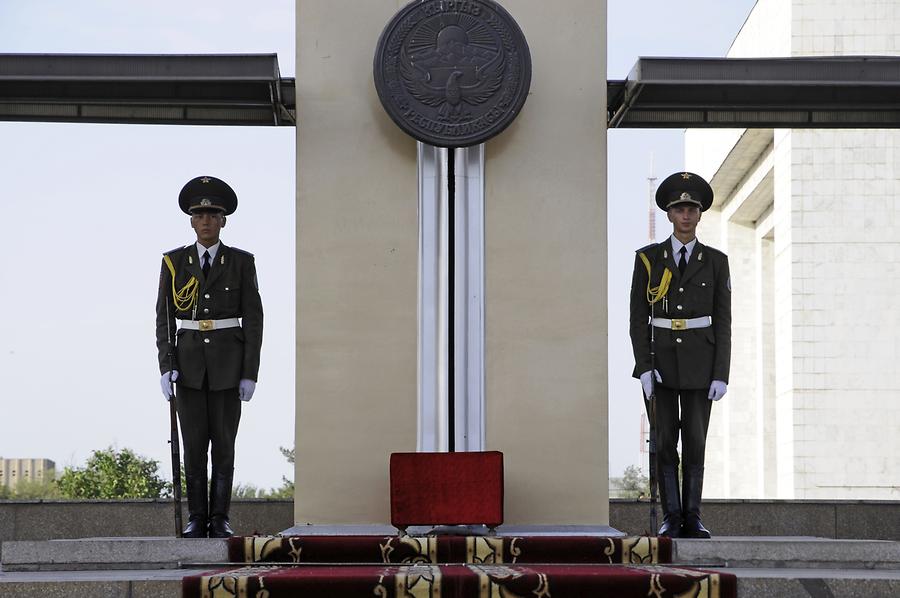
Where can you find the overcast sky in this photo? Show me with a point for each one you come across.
(88, 210)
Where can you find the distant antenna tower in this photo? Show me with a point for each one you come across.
(651, 203)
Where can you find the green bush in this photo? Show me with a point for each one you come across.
(112, 474)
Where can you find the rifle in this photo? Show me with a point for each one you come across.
(654, 294)
(173, 437)
(651, 413)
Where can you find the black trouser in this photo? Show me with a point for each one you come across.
(695, 410)
(208, 417)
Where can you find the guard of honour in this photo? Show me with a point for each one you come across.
(680, 330)
(209, 324)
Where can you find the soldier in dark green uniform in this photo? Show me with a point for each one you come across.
(682, 289)
(210, 291)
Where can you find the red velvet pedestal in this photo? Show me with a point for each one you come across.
(447, 489)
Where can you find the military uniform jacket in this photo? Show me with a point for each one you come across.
(686, 359)
(231, 291)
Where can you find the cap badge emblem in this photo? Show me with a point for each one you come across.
(205, 202)
(205, 179)
(685, 175)
(686, 197)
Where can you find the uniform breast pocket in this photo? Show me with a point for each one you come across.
(702, 293)
(231, 298)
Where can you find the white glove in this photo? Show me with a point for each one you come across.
(717, 390)
(246, 388)
(645, 382)
(166, 383)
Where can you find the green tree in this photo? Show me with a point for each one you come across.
(285, 491)
(287, 486)
(29, 489)
(635, 483)
(247, 491)
(114, 474)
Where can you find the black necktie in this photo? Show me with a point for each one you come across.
(206, 261)
(682, 262)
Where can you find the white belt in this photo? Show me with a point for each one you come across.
(683, 324)
(205, 325)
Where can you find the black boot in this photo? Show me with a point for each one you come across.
(693, 490)
(219, 504)
(197, 509)
(670, 498)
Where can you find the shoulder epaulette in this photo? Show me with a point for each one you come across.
(171, 251)
(647, 247)
(715, 251)
(239, 250)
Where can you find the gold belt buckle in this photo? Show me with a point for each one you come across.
(680, 324)
(206, 325)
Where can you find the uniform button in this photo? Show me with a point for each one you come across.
(206, 340)
(679, 307)
(680, 289)
(206, 296)
(677, 340)
(206, 310)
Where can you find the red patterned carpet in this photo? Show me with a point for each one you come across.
(456, 567)
(449, 549)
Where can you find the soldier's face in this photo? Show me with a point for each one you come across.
(207, 224)
(684, 218)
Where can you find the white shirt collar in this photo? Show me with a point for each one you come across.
(677, 245)
(212, 251)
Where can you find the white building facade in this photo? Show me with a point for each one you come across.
(13, 471)
(809, 219)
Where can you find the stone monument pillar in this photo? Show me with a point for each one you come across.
(537, 380)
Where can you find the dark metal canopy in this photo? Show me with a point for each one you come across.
(247, 89)
(843, 92)
(212, 89)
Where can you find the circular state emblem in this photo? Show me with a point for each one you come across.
(452, 73)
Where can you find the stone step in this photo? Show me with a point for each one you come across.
(783, 552)
(168, 553)
(164, 583)
(171, 553)
(110, 553)
(752, 583)
(824, 583)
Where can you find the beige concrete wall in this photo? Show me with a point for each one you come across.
(356, 269)
(545, 273)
